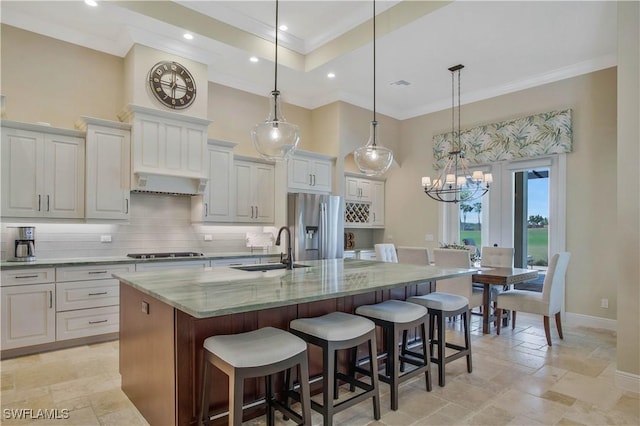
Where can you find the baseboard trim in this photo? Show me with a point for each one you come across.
(591, 321)
(627, 381)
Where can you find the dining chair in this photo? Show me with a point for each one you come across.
(461, 285)
(386, 252)
(413, 255)
(497, 257)
(547, 303)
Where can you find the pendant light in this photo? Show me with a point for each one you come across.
(275, 138)
(373, 159)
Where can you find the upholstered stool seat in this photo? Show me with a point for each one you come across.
(332, 332)
(258, 353)
(395, 316)
(440, 306)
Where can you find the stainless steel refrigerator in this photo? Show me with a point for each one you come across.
(316, 222)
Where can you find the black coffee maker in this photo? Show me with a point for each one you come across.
(25, 245)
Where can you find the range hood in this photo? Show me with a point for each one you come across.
(168, 151)
(156, 183)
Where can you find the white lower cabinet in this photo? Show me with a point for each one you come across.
(88, 300)
(28, 315)
(87, 322)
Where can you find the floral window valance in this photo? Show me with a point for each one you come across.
(532, 136)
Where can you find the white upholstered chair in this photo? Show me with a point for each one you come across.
(498, 257)
(547, 303)
(386, 253)
(461, 285)
(413, 255)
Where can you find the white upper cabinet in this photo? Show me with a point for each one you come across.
(215, 205)
(42, 171)
(364, 202)
(108, 169)
(167, 145)
(254, 191)
(357, 189)
(309, 172)
(377, 203)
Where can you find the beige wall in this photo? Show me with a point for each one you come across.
(591, 178)
(628, 213)
(56, 82)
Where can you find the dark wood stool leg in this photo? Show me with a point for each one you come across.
(305, 391)
(328, 369)
(204, 403)
(392, 362)
(374, 374)
(441, 347)
(427, 358)
(236, 396)
(268, 396)
(467, 339)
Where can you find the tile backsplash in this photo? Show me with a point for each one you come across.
(158, 223)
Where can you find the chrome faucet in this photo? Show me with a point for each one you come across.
(289, 259)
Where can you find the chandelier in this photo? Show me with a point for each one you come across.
(373, 159)
(455, 183)
(275, 138)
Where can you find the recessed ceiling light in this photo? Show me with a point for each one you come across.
(331, 75)
(93, 3)
(188, 36)
(253, 59)
(283, 27)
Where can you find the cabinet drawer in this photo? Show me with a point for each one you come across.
(87, 294)
(95, 272)
(87, 322)
(27, 276)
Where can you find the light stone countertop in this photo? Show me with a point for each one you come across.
(224, 290)
(110, 260)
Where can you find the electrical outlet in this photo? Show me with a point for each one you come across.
(208, 237)
(604, 303)
(428, 237)
(105, 238)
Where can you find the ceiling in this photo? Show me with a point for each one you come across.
(505, 45)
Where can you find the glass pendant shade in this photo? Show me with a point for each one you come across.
(275, 138)
(373, 159)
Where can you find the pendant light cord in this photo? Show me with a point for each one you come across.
(275, 84)
(375, 122)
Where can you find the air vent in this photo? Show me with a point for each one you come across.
(401, 83)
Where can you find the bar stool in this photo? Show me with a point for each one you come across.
(444, 305)
(395, 316)
(333, 332)
(258, 353)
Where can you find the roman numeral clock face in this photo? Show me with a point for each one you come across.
(172, 84)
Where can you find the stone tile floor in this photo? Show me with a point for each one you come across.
(517, 380)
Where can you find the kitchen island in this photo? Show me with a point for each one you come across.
(165, 317)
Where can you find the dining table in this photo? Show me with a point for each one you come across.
(488, 276)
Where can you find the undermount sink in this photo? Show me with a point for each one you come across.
(267, 267)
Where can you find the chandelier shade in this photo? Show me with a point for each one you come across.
(455, 183)
(373, 159)
(275, 138)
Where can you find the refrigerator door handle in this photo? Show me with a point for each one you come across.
(323, 231)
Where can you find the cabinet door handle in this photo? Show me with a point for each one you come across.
(310, 179)
(97, 322)
(48, 206)
(256, 212)
(206, 209)
(101, 293)
(126, 206)
(39, 202)
(20, 277)
(251, 212)
(97, 272)
(50, 299)
(314, 180)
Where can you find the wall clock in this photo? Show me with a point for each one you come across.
(172, 84)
